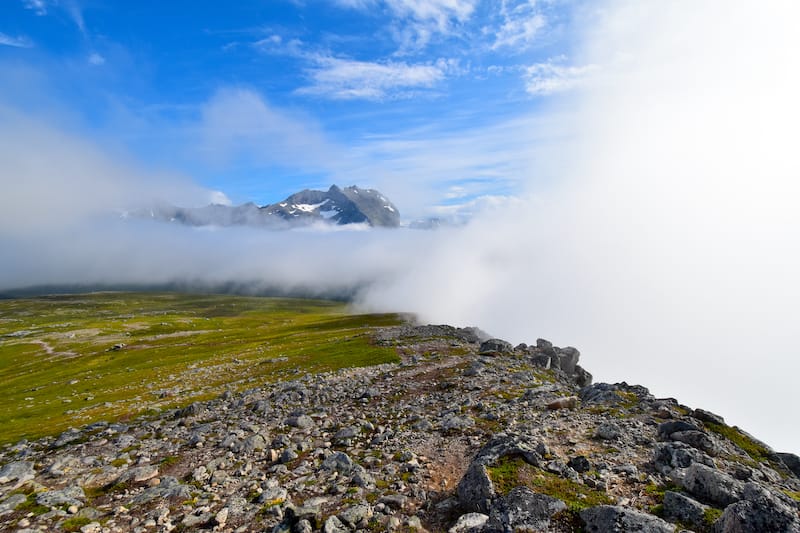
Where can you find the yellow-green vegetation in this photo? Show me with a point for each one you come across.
(627, 401)
(710, 516)
(70, 360)
(75, 523)
(511, 472)
(752, 448)
(795, 495)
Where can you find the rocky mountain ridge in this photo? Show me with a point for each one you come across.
(336, 206)
(464, 435)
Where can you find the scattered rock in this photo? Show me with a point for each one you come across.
(469, 523)
(759, 512)
(397, 446)
(615, 519)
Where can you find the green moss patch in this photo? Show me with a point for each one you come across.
(75, 523)
(511, 472)
(752, 448)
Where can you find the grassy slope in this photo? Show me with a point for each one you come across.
(58, 368)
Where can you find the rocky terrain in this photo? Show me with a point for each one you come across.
(464, 435)
(335, 206)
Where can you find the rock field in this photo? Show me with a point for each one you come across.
(462, 436)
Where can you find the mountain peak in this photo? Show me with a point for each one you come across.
(337, 206)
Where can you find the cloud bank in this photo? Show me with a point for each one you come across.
(664, 245)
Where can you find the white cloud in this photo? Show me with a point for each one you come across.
(37, 6)
(75, 13)
(18, 42)
(219, 198)
(239, 123)
(53, 178)
(351, 79)
(418, 21)
(96, 59)
(546, 78)
(522, 24)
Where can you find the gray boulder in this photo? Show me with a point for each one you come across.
(457, 423)
(138, 474)
(666, 429)
(582, 377)
(668, 456)
(334, 525)
(698, 440)
(338, 462)
(708, 416)
(301, 421)
(356, 516)
(523, 510)
(55, 498)
(607, 431)
(711, 485)
(11, 503)
(168, 488)
(607, 393)
(759, 512)
(16, 471)
(469, 523)
(681, 508)
(253, 443)
(615, 519)
(495, 346)
(792, 462)
(568, 359)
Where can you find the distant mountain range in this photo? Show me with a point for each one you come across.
(336, 206)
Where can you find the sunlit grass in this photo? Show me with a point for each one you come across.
(62, 362)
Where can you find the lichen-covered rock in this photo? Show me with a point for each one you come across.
(759, 512)
(523, 510)
(711, 485)
(668, 456)
(20, 471)
(680, 508)
(792, 462)
(697, 439)
(615, 519)
(495, 346)
(469, 523)
(72, 495)
(168, 488)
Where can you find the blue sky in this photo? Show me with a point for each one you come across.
(432, 101)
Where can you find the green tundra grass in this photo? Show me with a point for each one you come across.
(69, 360)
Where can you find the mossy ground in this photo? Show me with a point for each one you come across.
(511, 472)
(59, 366)
(756, 451)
